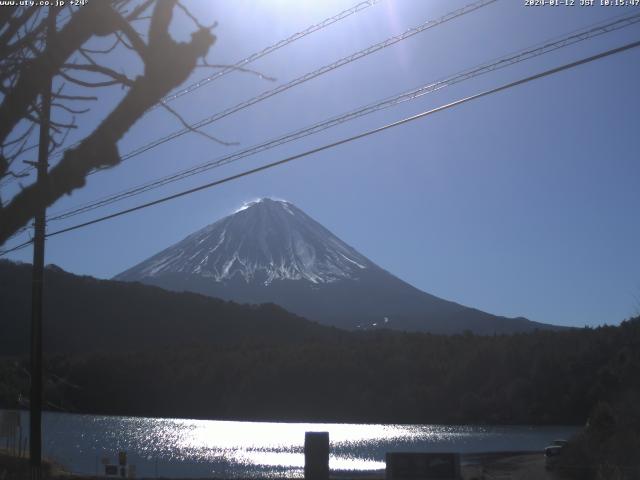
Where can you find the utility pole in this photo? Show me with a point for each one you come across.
(35, 404)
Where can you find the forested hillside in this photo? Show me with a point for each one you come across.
(536, 378)
(126, 348)
(84, 314)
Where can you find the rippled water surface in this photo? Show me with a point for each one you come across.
(204, 448)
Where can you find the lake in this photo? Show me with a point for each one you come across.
(167, 447)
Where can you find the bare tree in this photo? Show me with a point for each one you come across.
(26, 60)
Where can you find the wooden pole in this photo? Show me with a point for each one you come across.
(316, 456)
(35, 404)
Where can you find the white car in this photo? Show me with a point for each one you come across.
(551, 454)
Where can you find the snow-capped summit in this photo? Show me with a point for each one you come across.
(264, 240)
(271, 251)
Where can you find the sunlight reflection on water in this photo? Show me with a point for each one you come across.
(282, 444)
(201, 448)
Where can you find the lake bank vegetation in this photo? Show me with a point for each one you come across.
(536, 378)
(130, 349)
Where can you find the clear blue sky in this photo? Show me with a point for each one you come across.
(522, 203)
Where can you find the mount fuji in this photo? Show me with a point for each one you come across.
(271, 251)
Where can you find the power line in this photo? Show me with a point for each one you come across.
(308, 76)
(270, 49)
(511, 59)
(240, 64)
(368, 133)
(269, 93)
(16, 248)
(302, 79)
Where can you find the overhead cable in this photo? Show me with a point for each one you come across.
(239, 65)
(511, 59)
(343, 141)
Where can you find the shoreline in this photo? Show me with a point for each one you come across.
(519, 465)
(25, 410)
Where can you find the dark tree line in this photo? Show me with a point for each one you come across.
(539, 378)
(121, 348)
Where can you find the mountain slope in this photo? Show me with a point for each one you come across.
(264, 241)
(84, 314)
(271, 251)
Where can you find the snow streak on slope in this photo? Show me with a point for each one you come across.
(263, 241)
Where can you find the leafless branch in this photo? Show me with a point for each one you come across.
(93, 19)
(69, 109)
(87, 84)
(205, 64)
(20, 138)
(136, 42)
(15, 175)
(186, 125)
(117, 77)
(99, 51)
(167, 64)
(80, 98)
(194, 19)
(135, 14)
